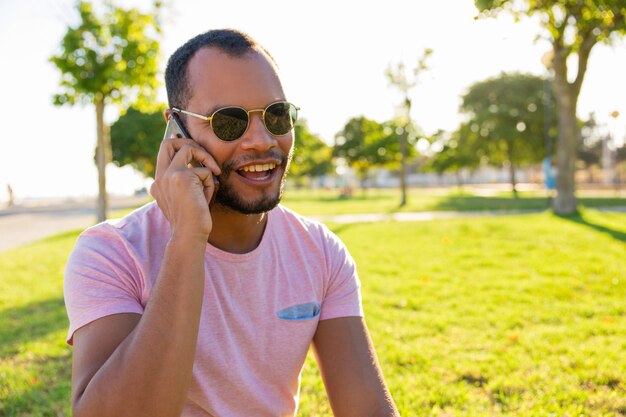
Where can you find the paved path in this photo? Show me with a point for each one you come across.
(26, 224)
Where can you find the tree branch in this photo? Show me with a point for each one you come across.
(588, 42)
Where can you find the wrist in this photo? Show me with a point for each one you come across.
(189, 241)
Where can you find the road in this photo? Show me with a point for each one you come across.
(29, 222)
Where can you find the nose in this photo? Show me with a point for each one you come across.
(257, 137)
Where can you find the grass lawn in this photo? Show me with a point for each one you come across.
(501, 316)
(321, 202)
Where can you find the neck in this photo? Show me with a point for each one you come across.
(235, 232)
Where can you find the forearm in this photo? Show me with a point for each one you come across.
(150, 371)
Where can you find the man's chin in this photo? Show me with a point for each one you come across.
(226, 197)
(245, 208)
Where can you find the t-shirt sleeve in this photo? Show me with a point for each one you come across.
(101, 278)
(343, 294)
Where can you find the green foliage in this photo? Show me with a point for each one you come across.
(507, 119)
(600, 20)
(365, 143)
(312, 156)
(113, 57)
(135, 140)
(458, 150)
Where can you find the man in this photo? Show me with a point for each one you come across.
(206, 302)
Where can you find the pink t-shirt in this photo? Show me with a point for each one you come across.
(259, 313)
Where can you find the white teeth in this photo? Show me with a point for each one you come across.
(258, 168)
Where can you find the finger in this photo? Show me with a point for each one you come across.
(209, 183)
(203, 173)
(170, 147)
(210, 198)
(188, 153)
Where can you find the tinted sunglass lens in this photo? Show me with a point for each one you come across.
(280, 117)
(230, 123)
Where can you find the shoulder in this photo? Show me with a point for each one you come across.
(285, 217)
(302, 230)
(130, 233)
(147, 219)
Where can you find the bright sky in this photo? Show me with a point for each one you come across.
(332, 55)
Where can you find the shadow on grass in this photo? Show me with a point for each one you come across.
(48, 394)
(22, 324)
(580, 219)
(463, 202)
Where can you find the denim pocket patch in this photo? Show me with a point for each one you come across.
(300, 312)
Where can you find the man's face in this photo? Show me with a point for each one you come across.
(217, 80)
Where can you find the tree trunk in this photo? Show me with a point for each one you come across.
(403, 168)
(513, 179)
(567, 98)
(565, 201)
(102, 151)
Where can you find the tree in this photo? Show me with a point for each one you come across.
(399, 79)
(106, 59)
(135, 140)
(459, 150)
(573, 27)
(507, 112)
(365, 143)
(312, 156)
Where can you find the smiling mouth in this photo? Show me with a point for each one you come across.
(257, 172)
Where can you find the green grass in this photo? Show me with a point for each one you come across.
(515, 316)
(35, 363)
(322, 202)
(504, 316)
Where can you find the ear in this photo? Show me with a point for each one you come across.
(167, 113)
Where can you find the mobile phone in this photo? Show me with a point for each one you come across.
(175, 128)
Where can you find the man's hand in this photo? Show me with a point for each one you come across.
(184, 192)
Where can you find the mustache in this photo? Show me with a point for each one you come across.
(229, 166)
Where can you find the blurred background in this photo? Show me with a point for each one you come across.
(334, 59)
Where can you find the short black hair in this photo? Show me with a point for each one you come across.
(230, 41)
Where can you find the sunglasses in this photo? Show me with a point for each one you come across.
(230, 123)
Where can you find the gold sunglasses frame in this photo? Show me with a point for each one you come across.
(209, 118)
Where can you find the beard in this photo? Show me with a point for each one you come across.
(227, 196)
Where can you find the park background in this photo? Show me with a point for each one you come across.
(474, 315)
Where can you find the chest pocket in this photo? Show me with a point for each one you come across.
(300, 312)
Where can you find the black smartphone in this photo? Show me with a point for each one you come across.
(175, 128)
